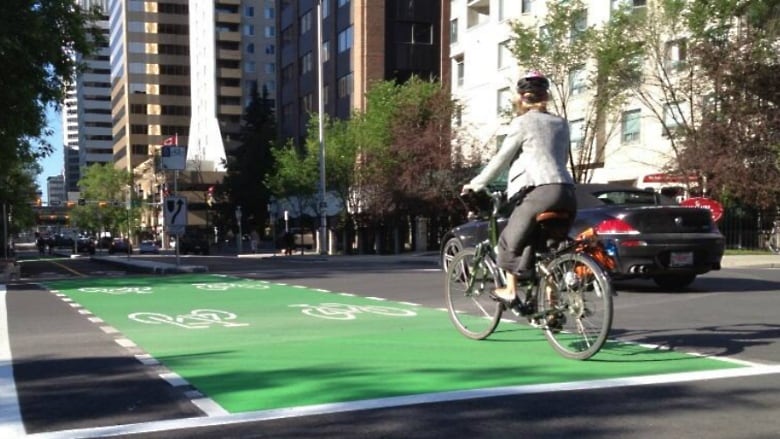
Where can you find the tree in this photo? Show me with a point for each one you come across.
(37, 43)
(37, 39)
(247, 167)
(737, 144)
(106, 191)
(581, 59)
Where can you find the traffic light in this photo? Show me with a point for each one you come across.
(82, 202)
(210, 196)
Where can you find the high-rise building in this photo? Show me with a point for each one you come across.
(169, 83)
(86, 115)
(150, 77)
(362, 41)
(55, 187)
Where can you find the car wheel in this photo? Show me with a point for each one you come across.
(451, 248)
(674, 281)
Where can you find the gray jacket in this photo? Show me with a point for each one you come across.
(540, 141)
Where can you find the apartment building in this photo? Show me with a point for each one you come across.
(484, 73)
(362, 41)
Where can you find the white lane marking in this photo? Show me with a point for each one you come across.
(380, 403)
(125, 342)
(147, 360)
(10, 415)
(174, 379)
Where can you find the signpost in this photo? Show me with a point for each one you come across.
(175, 212)
(715, 208)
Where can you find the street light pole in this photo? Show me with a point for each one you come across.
(321, 111)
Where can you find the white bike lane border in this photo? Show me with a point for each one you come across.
(217, 416)
(10, 414)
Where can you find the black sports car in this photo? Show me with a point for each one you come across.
(647, 234)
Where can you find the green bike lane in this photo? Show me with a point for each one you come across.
(251, 345)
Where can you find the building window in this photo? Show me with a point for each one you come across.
(454, 30)
(326, 51)
(270, 31)
(306, 63)
(630, 124)
(577, 81)
(525, 6)
(415, 33)
(249, 30)
(270, 49)
(579, 25)
(345, 85)
(675, 52)
(249, 11)
(250, 48)
(343, 2)
(325, 8)
(270, 68)
(577, 133)
(675, 115)
(504, 101)
(305, 23)
(268, 12)
(249, 66)
(460, 70)
(345, 39)
(504, 55)
(307, 103)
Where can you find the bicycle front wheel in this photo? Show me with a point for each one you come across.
(576, 299)
(473, 311)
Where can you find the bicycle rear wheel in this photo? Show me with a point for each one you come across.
(576, 298)
(473, 311)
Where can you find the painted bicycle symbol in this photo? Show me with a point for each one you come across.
(117, 291)
(196, 319)
(224, 286)
(343, 311)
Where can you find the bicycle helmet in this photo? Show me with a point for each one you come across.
(533, 82)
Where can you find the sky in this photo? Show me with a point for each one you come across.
(53, 164)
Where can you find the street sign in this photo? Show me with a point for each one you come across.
(174, 158)
(716, 209)
(175, 211)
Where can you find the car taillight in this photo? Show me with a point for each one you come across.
(615, 226)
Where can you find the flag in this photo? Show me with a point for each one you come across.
(171, 141)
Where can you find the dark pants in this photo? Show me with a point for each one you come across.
(515, 251)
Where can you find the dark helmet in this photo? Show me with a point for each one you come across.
(533, 82)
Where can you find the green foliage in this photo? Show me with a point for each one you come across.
(106, 191)
(36, 40)
(244, 184)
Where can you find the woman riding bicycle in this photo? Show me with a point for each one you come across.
(536, 150)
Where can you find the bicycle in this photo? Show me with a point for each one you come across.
(569, 295)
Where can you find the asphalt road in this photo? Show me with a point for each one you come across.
(69, 374)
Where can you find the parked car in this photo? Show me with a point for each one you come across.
(195, 244)
(649, 236)
(148, 246)
(85, 245)
(120, 245)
